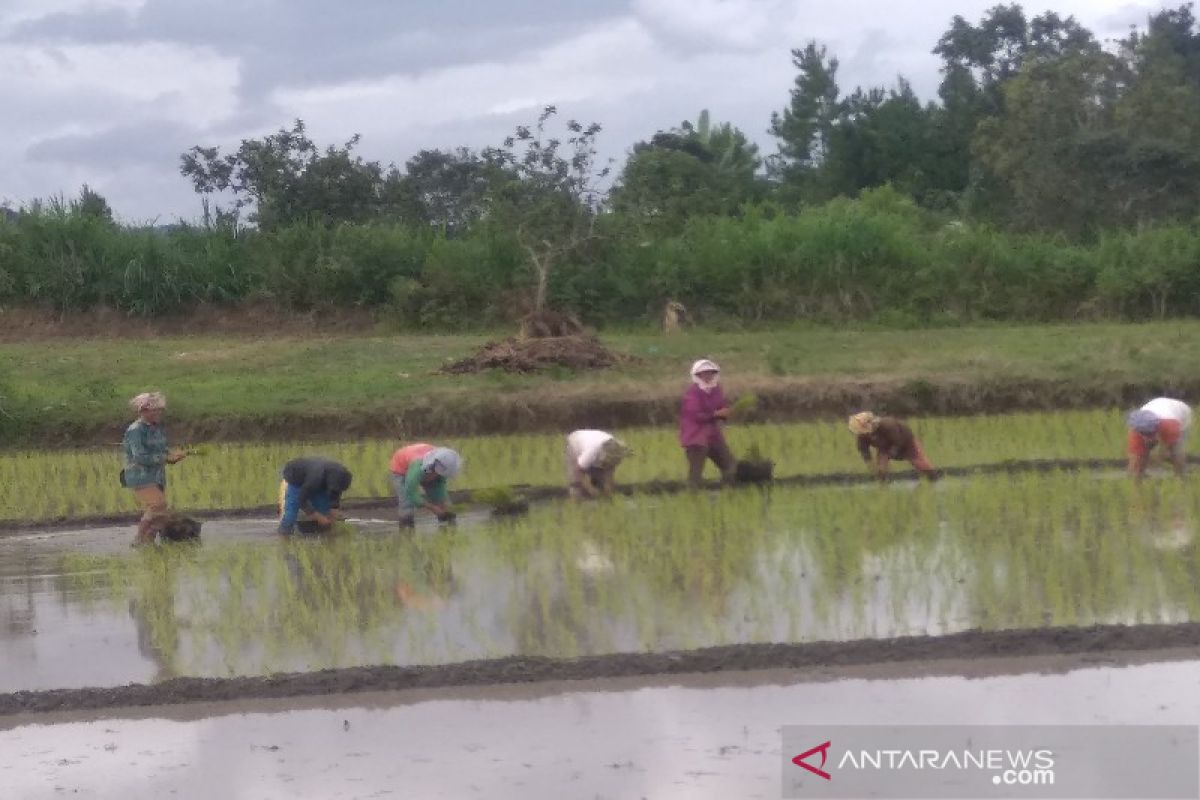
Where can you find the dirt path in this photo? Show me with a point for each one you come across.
(970, 645)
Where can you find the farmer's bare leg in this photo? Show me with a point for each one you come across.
(881, 465)
(154, 514)
(921, 463)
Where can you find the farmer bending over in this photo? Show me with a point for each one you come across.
(1161, 420)
(314, 486)
(592, 460)
(891, 438)
(420, 473)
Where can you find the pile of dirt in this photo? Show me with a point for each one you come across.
(525, 355)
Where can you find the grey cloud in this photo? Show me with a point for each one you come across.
(153, 144)
(300, 42)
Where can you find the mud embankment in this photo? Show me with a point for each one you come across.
(519, 670)
(633, 404)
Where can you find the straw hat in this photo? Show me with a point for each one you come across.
(863, 423)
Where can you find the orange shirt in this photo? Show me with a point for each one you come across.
(403, 458)
(1169, 433)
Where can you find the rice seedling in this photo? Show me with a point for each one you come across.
(65, 484)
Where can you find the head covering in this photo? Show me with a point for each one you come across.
(1143, 421)
(442, 460)
(148, 401)
(704, 365)
(863, 423)
(612, 453)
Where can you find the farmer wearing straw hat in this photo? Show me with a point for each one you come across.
(146, 455)
(891, 438)
(420, 473)
(700, 417)
(313, 486)
(1161, 420)
(592, 458)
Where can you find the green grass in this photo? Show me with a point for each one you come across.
(77, 387)
(73, 483)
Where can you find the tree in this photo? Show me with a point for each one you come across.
(1057, 113)
(547, 191)
(804, 128)
(977, 62)
(691, 170)
(91, 204)
(286, 178)
(448, 188)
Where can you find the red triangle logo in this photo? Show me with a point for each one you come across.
(823, 749)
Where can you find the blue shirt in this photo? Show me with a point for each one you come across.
(145, 448)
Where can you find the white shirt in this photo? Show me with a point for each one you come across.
(584, 446)
(1166, 408)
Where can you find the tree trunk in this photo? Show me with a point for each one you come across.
(542, 265)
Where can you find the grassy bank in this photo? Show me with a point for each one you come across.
(70, 392)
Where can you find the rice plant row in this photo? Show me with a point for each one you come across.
(67, 484)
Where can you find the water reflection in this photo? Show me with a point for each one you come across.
(677, 573)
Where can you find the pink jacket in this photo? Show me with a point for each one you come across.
(697, 425)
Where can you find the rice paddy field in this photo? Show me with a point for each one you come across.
(56, 485)
(635, 575)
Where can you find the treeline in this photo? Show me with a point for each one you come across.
(877, 257)
(1055, 178)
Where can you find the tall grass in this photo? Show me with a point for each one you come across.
(876, 257)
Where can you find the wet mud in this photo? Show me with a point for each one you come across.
(709, 736)
(973, 645)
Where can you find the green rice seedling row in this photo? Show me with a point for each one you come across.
(45, 485)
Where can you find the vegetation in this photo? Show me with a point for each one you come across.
(51, 485)
(1055, 179)
(1021, 552)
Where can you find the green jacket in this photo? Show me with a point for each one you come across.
(145, 455)
(416, 492)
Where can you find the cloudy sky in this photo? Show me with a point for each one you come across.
(110, 92)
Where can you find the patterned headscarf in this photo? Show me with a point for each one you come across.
(444, 461)
(612, 453)
(864, 423)
(1143, 421)
(148, 401)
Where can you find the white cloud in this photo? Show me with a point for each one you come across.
(741, 24)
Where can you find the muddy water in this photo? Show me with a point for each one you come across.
(541, 590)
(696, 737)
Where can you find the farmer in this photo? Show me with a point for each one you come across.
(314, 486)
(891, 438)
(146, 455)
(592, 458)
(700, 417)
(420, 473)
(1161, 420)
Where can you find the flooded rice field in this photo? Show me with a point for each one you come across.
(683, 737)
(638, 575)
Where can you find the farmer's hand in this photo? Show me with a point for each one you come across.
(322, 519)
(175, 456)
(721, 413)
